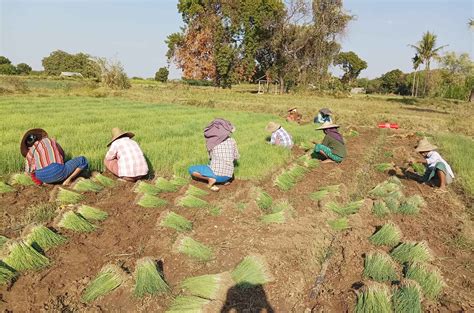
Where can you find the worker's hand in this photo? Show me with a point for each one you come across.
(411, 161)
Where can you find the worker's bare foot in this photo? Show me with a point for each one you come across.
(328, 161)
(214, 188)
(67, 182)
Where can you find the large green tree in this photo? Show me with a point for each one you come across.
(23, 68)
(59, 61)
(351, 64)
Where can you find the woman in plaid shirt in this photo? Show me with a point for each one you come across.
(222, 153)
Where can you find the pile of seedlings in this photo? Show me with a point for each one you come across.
(324, 192)
(279, 212)
(147, 200)
(383, 167)
(65, 196)
(91, 213)
(21, 179)
(175, 221)
(374, 298)
(86, 185)
(407, 298)
(308, 162)
(4, 188)
(75, 222)
(194, 249)
(388, 235)
(7, 273)
(109, 278)
(192, 199)
(23, 257)
(42, 238)
(148, 280)
(103, 180)
(286, 180)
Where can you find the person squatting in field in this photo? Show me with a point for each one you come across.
(333, 148)
(44, 159)
(324, 115)
(223, 152)
(124, 158)
(293, 115)
(279, 137)
(435, 164)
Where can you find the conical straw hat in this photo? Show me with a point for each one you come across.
(272, 126)
(118, 133)
(327, 125)
(424, 145)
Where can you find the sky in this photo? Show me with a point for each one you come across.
(133, 31)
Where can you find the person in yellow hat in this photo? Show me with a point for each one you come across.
(436, 166)
(333, 148)
(279, 137)
(125, 159)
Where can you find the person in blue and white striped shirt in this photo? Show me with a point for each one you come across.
(280, 136)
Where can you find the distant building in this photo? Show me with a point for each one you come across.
(357, 90)
(70, 74)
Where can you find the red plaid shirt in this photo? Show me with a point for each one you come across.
(131, 162)
(43, 153)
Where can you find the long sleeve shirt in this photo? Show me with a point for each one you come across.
(223, 156)
(131, 161)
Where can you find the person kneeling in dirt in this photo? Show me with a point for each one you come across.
(435, 164)
(223, 152)
(125, 159)
(293, 115)
(332, 149)
(279, 137)
(44, 159)
(324, 115)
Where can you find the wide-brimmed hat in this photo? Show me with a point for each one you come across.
(425, 146)
(293, 108)
(272, 126)
(327, 125)
(325, 111)
(118, 133)
(40, 134)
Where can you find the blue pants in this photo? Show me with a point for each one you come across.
(55, 172)
(206, 171)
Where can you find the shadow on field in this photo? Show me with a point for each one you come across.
(251, 299)
(410, 101)
(427, 110)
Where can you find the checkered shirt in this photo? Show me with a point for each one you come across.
(281, 137)
(131, 162)
(223, 156)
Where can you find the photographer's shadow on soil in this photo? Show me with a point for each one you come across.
(246, 299)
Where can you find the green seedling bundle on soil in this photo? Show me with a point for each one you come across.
(104, 180)
(164, 185)
(251, 271)
(308, 162)
(412, 252)
(339, 223)
(429, 279)
(3, 240)
(179, 181)
(384, 189)
(76, 222)
(407, 298)
(151, 201)
(278, 218)
(23, 257)
(196, 192)
(68, 197)
(289, 178)
(187, 304)
(382, 167)
(172, 220)
(319, 195)
(190, 201)
(22, 179)
(146, 188)
(408, 208)
(392, 204)
(282, 205)
(91, 213)
(388, 235)
(416, 200)
(394, 180)
(44, 238)
(374, 298)
(332, 188)
(350, 208)
(419, 168)
(4, 188)
(194, 249)
(108, 279)
(84, 185)
(306, 146)
(7, 273)
(205, 286)
(148, 280)
(379, 267)
(264, 200)
(380, 209)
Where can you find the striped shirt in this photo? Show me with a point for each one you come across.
(281, 137)
(223, 156)
(131, 161)
(44, 152)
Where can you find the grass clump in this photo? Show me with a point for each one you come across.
(191, 201)
(289, 178)
(408, 208)
(76, 222)
(4, 188)
(164, 185)
(104, 180)
(172, 220)
(380, 209)
(148, 279)
(319, 195)
(388, 235)
(429, 279)
(412, 252)
(68, 197)
(374, 298)
(178, 181)
(392, 204)
(251, 271)
(91, 213)
(22, 179)
(6, 273)
(187, 304)
(382, 167)
(196, 192)
(308, 162)
(84, 185)
(264, 200)
(419, 168)
(41, 213)
(407, 298)
(278, 218)
(339, 223)
(44, 238)
(379, 267)
(3, 240)
(205, 286)
(350, 208)
(194, 249)
(306, 146)
(146, 188)
(384, 189)
(23, 257)
(151, 201)
(109, 278)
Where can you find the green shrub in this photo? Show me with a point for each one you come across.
(109, 278)
(379, 267)
(251, 271)
(388, 235)
(411, 252)
(147, 278)
(429, 279)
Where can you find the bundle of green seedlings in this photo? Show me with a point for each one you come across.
(207, 286)
(308, 162)
(385, 189)
(388, 235)
(196, 192)
(4, 188)
(380, 209)
(68, 197)
(280, 212)
(172, 220)
(325, 191)
(7, 273)
(23, 257)
(109, 278)
(22, 179)
(352, 133)
(103, 180)
(194, 249)
(91, 213)
(374, 298)
(348, 209)
(392, 203)
(411, 205)
(3, 240)
(306, 146)
(379, 267)
(290, 177)
(75, 222)
(407, 298)
(190, 201)
(264, 200)
(339, 224)
(412, 252)
(164, 185)
(382, 167)
(146, 188)
(85, 185)
(419, 168)
(428, 277)
(178, 181)
(148, 280)
(150, 201)
(42, 238)
(187, 304)
(251, 271)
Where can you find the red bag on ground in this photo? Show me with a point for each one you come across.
(388, 125)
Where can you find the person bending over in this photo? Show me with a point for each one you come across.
(333, 148)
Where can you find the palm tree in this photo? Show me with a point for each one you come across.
(427, 50)
(416, 60)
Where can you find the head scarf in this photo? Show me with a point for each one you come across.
(332, 132)
(216, 132)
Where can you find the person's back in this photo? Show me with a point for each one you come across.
(42, 153)
(281, 138)
(131, 161)
(223, 156)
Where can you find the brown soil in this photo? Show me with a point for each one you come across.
(294, 250)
